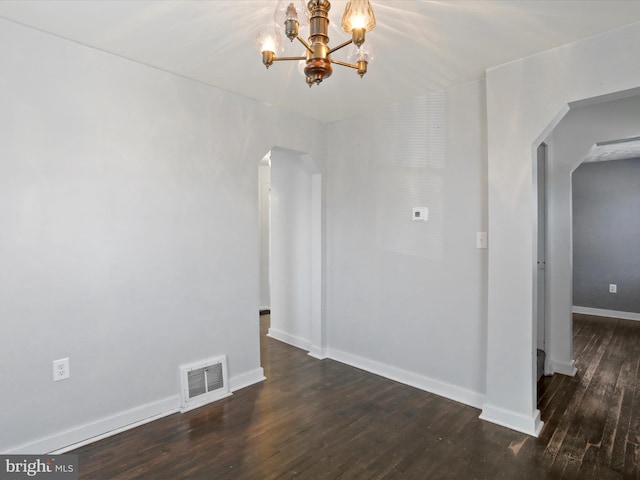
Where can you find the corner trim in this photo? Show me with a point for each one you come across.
(317, 352)
(428, 384)
(599, 312)
(528, 424)
(289, 339)
(563, 368)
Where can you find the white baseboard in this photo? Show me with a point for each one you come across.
(246, 379)
(299, 342)
(427, 384)
(102, 428)
(599, 312)
(530, 425)
(563, 368)
(293, 340)
(120, 422)
(317, 352)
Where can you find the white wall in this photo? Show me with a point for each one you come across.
(129, 206)
(525, 99)
(407, 299)
(582, 127)
(291, 267)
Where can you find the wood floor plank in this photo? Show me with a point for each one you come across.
(602, 413)
(568, 429)
(622, 401)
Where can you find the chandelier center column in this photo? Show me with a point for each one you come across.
(318, 65)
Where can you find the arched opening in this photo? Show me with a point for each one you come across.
(570, 141)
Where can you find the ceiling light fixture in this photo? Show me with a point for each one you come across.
(357, 20)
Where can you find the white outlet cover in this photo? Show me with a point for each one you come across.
(61, 369)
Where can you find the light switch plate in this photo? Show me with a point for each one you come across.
(481, 239)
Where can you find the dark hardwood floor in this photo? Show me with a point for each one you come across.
(316, 419)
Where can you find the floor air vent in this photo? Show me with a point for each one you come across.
(203, 382)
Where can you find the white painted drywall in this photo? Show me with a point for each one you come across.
(129, 212)
(582, 127)
(407, 299)
(292, 230)
(525, 99)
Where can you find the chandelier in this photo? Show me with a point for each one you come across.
(316, 62)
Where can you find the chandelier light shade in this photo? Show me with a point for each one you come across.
(364, 53)
(358, 19)
(361, 56)
(292, 15)
(292, 10)
(269, 42)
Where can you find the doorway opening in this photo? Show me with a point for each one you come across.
(570, 141)
(541, 259)
(290, 189)
(264, 213)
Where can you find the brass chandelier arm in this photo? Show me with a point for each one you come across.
(283, 59)
(348, 42)
(345, 64)
(360, 66)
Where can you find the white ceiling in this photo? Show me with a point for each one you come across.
(422, 46)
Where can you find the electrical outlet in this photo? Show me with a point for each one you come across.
(61, 369)
(613, 288)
